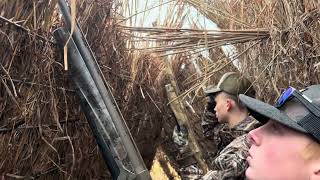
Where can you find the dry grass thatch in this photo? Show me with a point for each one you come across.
(186, 40)
(43, 133)
(289, 56)
(277, 42)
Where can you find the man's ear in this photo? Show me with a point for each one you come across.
(229, 104)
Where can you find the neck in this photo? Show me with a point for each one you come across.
(236, 118)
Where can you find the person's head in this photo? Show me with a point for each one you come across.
(225, 95)
(287, 146)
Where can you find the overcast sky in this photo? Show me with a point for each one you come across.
(165, 9)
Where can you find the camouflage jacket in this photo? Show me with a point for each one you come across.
(221, 134)
(229, 162)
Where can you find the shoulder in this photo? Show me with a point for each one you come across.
(233, 157)
(236, 151)
(249, 124)
(238, 143)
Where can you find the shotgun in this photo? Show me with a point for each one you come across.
(112, 135)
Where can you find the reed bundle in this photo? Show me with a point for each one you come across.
(177, 41)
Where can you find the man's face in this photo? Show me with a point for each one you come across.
(221, 108)
(276, 153)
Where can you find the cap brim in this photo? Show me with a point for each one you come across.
(263, 112)
(212, 91)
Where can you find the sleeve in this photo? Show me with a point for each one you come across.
(210, 124)
(231, 162)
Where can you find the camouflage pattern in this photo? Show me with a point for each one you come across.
(189, 169)
(229, 162)
(221, 134)
(180, 137)
(192, 172)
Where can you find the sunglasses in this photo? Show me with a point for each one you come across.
(292, 92)
(311, 122)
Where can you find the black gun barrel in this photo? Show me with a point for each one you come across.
(115, 132)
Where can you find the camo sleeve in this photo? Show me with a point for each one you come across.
(210, 125)
(231, 163)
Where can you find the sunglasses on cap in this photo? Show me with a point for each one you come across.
(292, 92)
(311, 122)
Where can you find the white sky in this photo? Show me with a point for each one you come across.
(167, 9)
(163, 11)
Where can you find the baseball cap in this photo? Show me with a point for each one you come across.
(293, 113)
(232, 83)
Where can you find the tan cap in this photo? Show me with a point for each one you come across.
(233, 83)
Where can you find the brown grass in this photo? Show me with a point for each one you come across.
(43, 131)
(289, 55)
(277, 42)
